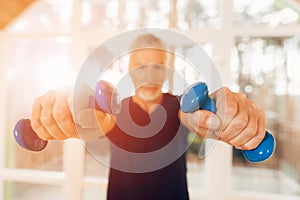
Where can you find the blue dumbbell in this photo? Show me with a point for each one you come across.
(196, 97)
(106, 99)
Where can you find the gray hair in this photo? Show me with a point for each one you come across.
(147, 41)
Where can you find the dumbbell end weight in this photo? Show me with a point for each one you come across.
(263, 151)
(27, 138)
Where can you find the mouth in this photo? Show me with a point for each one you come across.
(150, 88)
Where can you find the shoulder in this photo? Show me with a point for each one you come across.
(172, 98)
(171, 102)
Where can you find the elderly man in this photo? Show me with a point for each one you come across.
(238, 122)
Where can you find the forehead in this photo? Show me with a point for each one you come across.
(146, 56)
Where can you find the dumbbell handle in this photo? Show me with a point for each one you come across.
(196, 98)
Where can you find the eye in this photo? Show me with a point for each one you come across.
(158, 67)
(142, 67)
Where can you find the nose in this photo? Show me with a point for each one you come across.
(152, 75)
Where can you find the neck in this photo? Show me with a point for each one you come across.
(148, 106)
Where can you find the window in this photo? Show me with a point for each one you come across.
(264, 66)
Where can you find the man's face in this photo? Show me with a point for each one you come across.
(147, 71)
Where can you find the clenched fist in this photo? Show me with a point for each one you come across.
(52, 117)
(238, 121)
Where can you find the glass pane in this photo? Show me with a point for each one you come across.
(198, 14)
(45, 16)
(96, 168)
(100, 14)
(266, 69)
(114, 15)
(186, 69)
(34, 67)
(195, 165)
(269, 12)
(93, 165)
(146, 14)
(25, 191)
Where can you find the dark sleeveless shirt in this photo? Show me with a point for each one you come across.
(140, 133)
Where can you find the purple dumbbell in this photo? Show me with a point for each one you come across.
(106, 99)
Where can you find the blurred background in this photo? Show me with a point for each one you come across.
(254, 44)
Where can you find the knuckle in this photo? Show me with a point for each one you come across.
(46, 117)
(260, 137)
(240, 123)
(230, 110)
(249, 133)
(226, 90)
(248, 146)
(69, 129)
(242, 95)
(252, 105)
(37, 101)
(35, 124)
(61, 137)
(218, 134)
(252, 127)
(252, 109)
(223, 137)
(38, 129)
(50, 93)
(225, 94)
(262, 114)
(254, 145)
(43, 136)
(233, 143)
(60, 115)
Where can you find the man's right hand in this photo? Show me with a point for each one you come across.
(52, 118)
